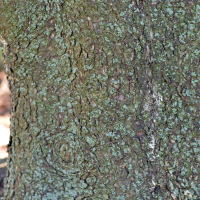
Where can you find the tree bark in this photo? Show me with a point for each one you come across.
(104, 99)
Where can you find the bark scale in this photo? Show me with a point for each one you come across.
(104, 97)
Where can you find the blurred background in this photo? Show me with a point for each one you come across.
(4, 122)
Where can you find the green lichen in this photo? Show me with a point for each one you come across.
(104, 99)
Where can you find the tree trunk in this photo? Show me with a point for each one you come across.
(104, 99)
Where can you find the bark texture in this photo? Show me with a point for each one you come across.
(104, 99)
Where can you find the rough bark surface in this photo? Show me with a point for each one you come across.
(104, 99)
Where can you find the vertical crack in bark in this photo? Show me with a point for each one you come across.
(152, 104)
